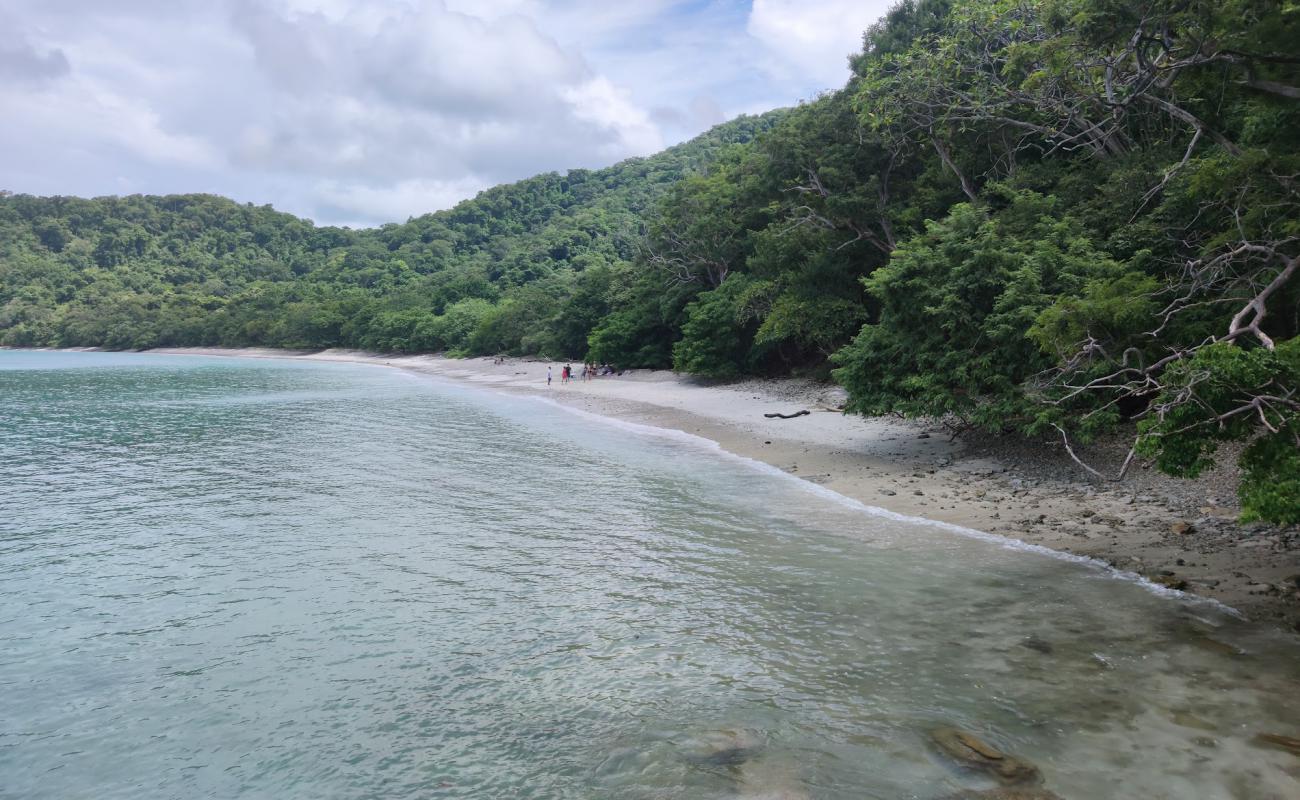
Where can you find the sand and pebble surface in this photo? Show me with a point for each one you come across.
(1177, 533)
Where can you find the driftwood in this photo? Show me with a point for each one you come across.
(788, 416)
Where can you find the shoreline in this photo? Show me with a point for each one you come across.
(1150, 526)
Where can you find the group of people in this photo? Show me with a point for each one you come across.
(589, 371)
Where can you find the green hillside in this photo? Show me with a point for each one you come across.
(140, 271)
(1048, 217)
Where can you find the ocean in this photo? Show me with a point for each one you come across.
(261, 578)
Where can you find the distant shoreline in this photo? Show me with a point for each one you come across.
(912, 469)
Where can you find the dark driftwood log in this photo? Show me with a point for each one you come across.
(788, 416)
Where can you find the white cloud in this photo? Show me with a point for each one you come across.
(815, 38)
(610, 108)
(359, 204)
(366, 111)
(118, 122)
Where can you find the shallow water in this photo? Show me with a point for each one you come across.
(238, 578)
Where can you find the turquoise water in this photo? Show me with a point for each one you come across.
(238, 578)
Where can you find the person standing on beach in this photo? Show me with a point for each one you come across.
(548, 376)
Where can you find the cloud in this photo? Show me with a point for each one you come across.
(429, 92)
(610, 108)
(359, 204)
(21, 60)
(814, 38)
(368, 111)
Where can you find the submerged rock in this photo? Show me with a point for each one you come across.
(1036, 644)
(974, 753)
(758, 772)
(728, 757)
(725, 748)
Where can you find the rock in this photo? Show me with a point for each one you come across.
(1181, 528)
(889, 492)
(1278, 742)
(1036, 644)
(1170, 581)
(728, 757)
(724, 748)
(974, 753)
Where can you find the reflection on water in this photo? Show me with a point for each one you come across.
(232, 578)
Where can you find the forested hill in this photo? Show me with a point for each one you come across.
(1056, 217)
(502, 269)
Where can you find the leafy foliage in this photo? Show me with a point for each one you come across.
(1041, 216)
(138, 272)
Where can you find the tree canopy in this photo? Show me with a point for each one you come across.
(1051, 217)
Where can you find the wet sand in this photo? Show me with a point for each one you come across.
(1182, 534)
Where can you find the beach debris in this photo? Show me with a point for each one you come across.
(1278, 741)
(774, 415)
(1181, 528)
(973, 752)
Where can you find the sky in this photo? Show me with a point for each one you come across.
(360, 112)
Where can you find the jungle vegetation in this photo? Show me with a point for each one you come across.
(1050, 217)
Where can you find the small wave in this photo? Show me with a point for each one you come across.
(1005, 542)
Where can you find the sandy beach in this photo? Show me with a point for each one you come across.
(1179, 534)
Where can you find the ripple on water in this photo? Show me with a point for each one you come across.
(253, 578)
